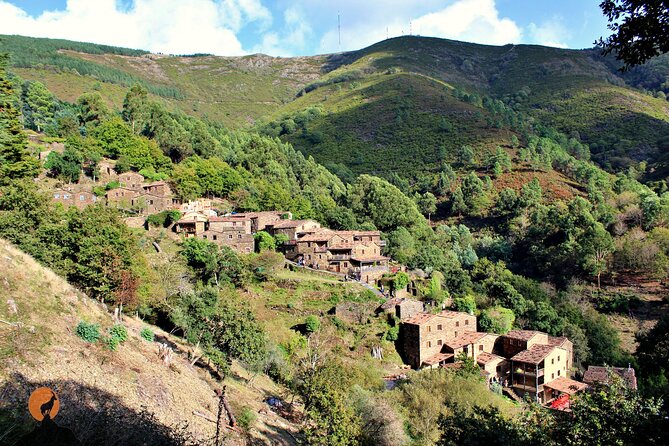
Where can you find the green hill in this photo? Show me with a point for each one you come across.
(372, 100)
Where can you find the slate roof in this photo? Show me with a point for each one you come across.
(437, 358)
(523, 335)
(485, 358)
(566, 385)
(465, 338)
(534, 354)
(599, 374)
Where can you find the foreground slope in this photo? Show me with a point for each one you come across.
(106, 397)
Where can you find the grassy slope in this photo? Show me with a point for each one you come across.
(44, 350)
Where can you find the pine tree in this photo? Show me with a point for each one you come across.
(15, 161)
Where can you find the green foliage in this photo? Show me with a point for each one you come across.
(163, 219)
(39, 106)
(147, 334)
(496, 320)
(246, 418)
(312, 324)
(465, 304)
(88, 332)
(15, 161)
(400, 281)
(212, 263)
(264, 241)
(119, 332)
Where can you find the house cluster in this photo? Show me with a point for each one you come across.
(133, 193)
(353, 253)
(530, 363)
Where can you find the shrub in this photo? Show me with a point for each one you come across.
(312, 324)
(119, 332)
(246, 418)
(112, 343)
(393, 333)
(112, 185)
(147, 334)
(88, 332)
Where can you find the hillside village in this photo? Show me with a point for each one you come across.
(521, 363)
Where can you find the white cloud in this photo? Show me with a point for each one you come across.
(550, 33)
(292, 39)
(168, 26)
(470, 20)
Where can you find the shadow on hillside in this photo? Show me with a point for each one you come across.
(95, 416)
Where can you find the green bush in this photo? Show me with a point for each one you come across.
(112, 185)
(88, 332)
(147, 334)
(312, 323)
(393, 333)
(112, 343)
(119, 332)
(246, 418)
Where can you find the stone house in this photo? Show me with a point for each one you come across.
(422, 336)
(121, 197)
(79, 199)
(230, 231)
(107, 170)
(131, 180)
(293, 229)
(148, 204)
(598, 374)
(261, 221)
(191, 224)
(402, 308)
(496, 368)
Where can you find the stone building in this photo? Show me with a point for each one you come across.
(293, 229)
(230, 231)
(73, 197)
(601, 375)
(131, 180)
(402, 308)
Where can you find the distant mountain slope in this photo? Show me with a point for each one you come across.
(578, 92)
(38, 346)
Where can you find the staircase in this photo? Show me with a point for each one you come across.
(511, 394)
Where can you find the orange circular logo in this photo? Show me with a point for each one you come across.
(43, 402)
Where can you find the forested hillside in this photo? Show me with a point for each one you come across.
(484, 189)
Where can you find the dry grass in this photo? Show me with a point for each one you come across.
(41, 347)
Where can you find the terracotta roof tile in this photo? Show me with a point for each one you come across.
(599, 374)
(419, 319)
(437, 358)
(485, 357)
(524, 335)
(465, 339)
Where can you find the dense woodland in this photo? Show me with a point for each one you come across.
(518, 257)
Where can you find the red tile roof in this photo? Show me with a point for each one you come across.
(283, 224)
(534, 354)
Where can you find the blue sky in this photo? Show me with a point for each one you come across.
(288, 28)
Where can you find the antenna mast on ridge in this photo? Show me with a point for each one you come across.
(339, 29)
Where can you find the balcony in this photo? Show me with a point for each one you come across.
(340, 257)
(528, 371)
(527, 387)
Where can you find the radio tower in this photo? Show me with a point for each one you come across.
(339, 29)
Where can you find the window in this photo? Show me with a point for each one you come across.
(56, 195)
(440, 327)
(558, 373)
(151, 202)
(215, 237)
(429, 328)
(204, 236)
(552, 375)
(439, 342)
(239, 236)
(457, 323)
(82, 197)
(481, 347)
(499, 368)
(467, 322)
(558, 359)
(429, 344)
(553, 361)
(230, 236)
(455, 333)
(66, 196)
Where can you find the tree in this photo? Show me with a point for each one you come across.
(640, 30)
(39, 106)
(465, 155)
(15, 161)
(329, 418)
(427, 203)
(653, 355)
(67, 166)
(458, 205)
(264, 241)
(135, 108)
(213, 263)
(92, 109)
(597, 246)
(497, 320)
(400, 281)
